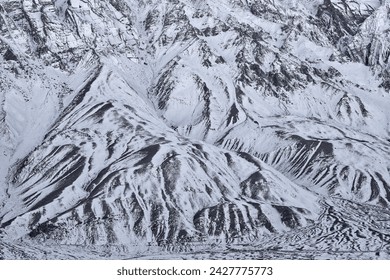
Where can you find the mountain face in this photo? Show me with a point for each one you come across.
(134, 128)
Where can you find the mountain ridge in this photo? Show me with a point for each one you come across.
(179, 122)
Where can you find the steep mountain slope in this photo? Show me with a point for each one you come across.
(179, 124)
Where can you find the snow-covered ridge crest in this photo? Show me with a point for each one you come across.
(183, 125)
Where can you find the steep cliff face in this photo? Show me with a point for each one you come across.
(179, 124)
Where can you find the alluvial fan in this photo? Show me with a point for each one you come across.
(241, 129)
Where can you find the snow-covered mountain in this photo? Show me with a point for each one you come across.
(135, 128)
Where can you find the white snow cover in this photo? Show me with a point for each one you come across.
(138, 128)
